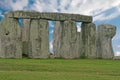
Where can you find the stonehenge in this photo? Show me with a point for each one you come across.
(10, 38)
(39, 41)
(89, 40)
(25, 36)
(32, 38)
(105, 34)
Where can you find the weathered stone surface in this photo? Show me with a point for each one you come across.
(10, 39)
(67, 46)
(67, 41)
(50, 16)
(25, 36)
(79, 45)
(39, 42)
(89, 40)
(116, 57)
(57, 38)
(104, 43)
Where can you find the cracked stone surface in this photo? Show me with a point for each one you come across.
(105, 34)
(10, 38)
(65, 43)
(89, 40)
(49, 16)
(39, 41)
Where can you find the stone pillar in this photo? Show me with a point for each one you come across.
(68, 40)
(10, 38)
(79, 44)
(57, 38)
(39, 41)
(104, 43)
(25, 36)
(89, 40)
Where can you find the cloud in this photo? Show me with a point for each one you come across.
(79, 29)
(78, 26)
(118, 49)
(19, 4)
(51, 32)
(4, 4)
(95, 8)
(45, 5)
(51, 23)
(1, 15)
(14, 4)
(117, 53)
(51, 46)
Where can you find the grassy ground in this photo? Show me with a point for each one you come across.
(59, 69)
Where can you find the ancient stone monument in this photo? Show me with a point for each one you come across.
(38, 42)
(89, 40)
(105, 34)
(31, 40)
(10, 38)
(25, 36)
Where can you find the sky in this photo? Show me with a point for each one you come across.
(103, 12)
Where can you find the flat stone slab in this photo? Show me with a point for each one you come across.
(50, 16)
(116, 58)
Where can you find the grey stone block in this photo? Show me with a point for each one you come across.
(105, 34)
(57, 38)
(50, 16)
(65, 42)
(39, 41)
(10, 39)
(25, 36)
(89, 40)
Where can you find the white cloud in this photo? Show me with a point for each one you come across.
(1, 14)
(78, 29)
(19, 4)
(118, 46)
(78, 26)
(51, 23)
(96, 8)
(117, 53)
(45, 5)
(5, 4)
(14, 5)
(51, 32)
(51, 46)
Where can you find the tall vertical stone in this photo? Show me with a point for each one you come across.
(79, 44)
(57, 38)
(68, 40)
(89, 40)
(10, 38)
(25, 36)
(39, 41)
(104, 43)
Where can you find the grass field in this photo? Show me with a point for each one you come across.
(59, 69)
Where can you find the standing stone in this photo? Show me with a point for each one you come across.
(39, 41)
(104, 43)
(68, 40)
(25, 36)
(57, 39)
(10, 39)
(79, 44)
(89, 40)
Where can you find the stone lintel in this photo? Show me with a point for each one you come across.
(49, 16)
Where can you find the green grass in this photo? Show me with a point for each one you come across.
(59, 69)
